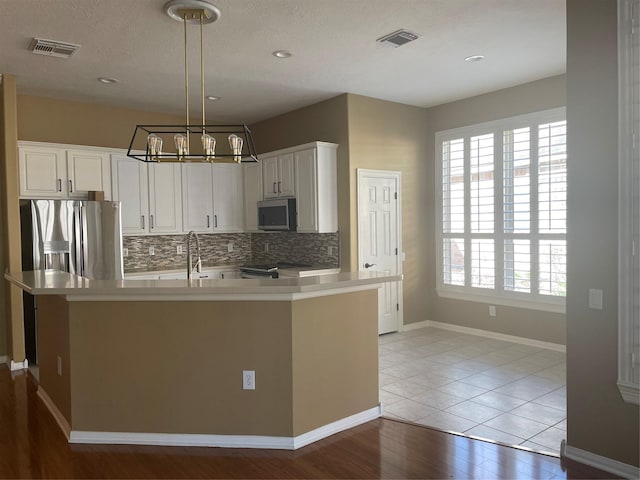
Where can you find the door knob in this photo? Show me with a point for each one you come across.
(369, 265)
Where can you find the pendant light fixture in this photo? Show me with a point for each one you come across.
(188, 142)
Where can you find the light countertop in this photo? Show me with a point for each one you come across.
(54, 282)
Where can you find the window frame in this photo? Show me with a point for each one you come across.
(497, 295)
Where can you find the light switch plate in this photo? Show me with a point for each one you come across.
(595, 299)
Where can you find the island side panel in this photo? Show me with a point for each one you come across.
(53, 342)
(176, 367)
(335, 358)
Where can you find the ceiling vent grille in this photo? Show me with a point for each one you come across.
(53, 48)
(398, 38)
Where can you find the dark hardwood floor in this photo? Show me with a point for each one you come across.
(33, 446)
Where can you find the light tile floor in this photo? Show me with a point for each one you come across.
(502, 391)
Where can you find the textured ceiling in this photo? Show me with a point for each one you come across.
(333, 44)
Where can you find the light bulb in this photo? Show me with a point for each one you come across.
(208, 146)
(181, 144)
(235, 142)
(154, 145)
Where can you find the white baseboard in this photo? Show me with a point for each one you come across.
(414, 326)
(226, 441)
(494, 335)
(19, 365)
(57, 415)
(603, 463)
(3, 359)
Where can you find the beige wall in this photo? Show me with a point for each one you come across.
(391, 136)
(530, 97)
(325, 121)
(598, 420)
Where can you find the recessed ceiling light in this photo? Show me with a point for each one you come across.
(474, 58)
(212, 98)
(282, 54)
(107, 80)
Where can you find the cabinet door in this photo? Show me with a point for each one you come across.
(270, 177)
(88, 170)
(307, 182)
(42, 172)
(252, 194)
(131, 188)
(286, 175)
(197, 197)
(165, 202)
(228, 198)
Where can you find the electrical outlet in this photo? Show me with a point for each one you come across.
(125, 252)
(152, 251)
(266, 247)
(595, 299)
(230, 247)
(329, 250)
(59, 366)
(248, 380)
(179, 249)
(492, 311)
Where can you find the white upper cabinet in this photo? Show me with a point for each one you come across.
(314, 179)
(252, 194)
(197, 197)
(228, 198)
(165, 203)
(316, 184)
(50, 171)
(150, 195)
(278, 174)
(88, 170)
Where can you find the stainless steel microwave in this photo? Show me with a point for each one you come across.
(277, 214)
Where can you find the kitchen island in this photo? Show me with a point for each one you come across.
(163, 361)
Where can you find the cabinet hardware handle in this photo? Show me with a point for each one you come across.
(150, 221)
(279, 184)
(142, 223)
(70, 186)
(274, 187)
(208, 222)
(215, 221)
(59, 185)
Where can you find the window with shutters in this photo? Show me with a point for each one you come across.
(502, 211)
(629, 201)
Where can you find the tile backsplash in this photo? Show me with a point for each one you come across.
(247, 248)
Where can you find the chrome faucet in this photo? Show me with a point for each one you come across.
(190, 267)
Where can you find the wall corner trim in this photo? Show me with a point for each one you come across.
(19, 365)
(226, 441)
(603, 463)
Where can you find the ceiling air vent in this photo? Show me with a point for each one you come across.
(53, 48)
(398, 38)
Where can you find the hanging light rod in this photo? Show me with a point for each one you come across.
(148, 140)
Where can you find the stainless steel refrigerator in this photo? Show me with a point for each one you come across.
(76, 236)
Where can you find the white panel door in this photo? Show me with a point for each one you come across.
(197, 197)
(165, 202)
(228, 198)
(42, 172)
(378, 240)
(88, 170)
(131, 188)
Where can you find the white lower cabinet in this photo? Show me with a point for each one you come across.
(59, 172)
(150, 195)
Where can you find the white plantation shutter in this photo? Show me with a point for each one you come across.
(514, 230)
